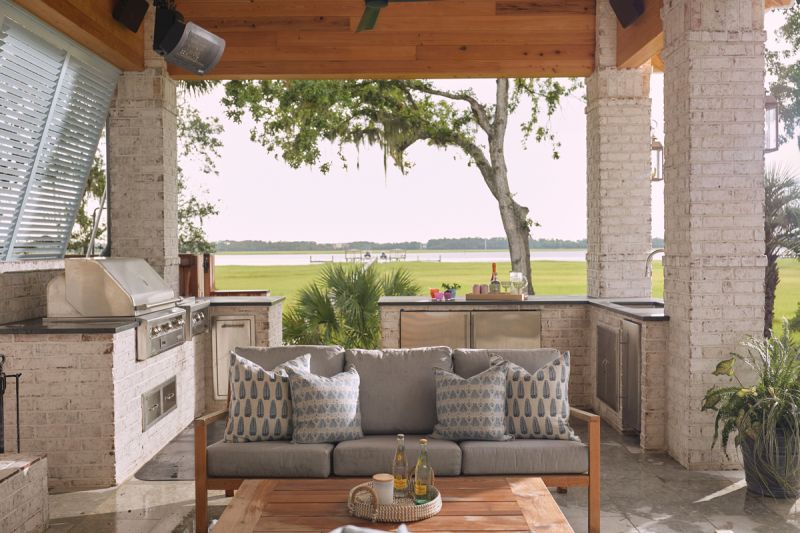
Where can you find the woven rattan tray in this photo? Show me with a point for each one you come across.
(363, 503)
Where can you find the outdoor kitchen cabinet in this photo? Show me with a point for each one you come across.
(471, 329)
(227, 333)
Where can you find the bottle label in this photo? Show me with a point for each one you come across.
(400, 483)
(420, 489)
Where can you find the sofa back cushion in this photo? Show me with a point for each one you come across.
(468, 363)
(326, 361)
(397, 393)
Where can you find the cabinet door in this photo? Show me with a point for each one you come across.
(507, 329)
(631, 375)
(434, 328)
(227, 333)
(608, 366)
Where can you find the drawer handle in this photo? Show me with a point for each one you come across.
(170, 396)
(232, 325)
(154, 407)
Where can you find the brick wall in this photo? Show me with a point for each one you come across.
(618, 170)
(23, 494)
(80, 403)
(564, 326)
(714, 203)
(24, 289)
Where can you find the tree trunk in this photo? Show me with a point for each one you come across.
(515, 223)
(770, 286)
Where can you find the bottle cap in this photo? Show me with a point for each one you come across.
(400, 435)
(423, 441)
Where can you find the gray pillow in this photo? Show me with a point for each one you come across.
(468, 362)
(397, 391)
(325, 409)
(261, 404)
(537, 403)
(471, 408)
(325, 360)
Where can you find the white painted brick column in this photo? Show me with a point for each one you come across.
(143, 165)
(618, 170)
(714, 204)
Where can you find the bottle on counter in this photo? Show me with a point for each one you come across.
(494, 285)
(400, 468)
(423, 475)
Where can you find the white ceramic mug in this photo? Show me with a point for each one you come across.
(384, 487)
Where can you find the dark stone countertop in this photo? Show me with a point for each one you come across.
(631, 307)
(245, 301)
(38, 326)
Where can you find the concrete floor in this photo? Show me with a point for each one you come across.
(640, 492)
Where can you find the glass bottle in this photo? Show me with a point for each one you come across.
(400, 468)
(494, 284)
(423, 475)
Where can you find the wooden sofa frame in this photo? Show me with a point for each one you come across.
(203, 483)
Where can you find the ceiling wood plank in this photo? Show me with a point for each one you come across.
(518, 7)
(89, 22)
(443, 38)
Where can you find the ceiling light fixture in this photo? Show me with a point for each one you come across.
(185, 44)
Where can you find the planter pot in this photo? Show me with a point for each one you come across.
(764, 483)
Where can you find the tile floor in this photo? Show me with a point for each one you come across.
(640, 493)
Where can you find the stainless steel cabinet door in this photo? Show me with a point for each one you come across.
(631, 376)
(506, 329)
(434, 328)
(227, 333)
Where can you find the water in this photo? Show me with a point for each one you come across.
(489, 256)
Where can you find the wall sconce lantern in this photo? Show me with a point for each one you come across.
(771, 124)
(657, 160)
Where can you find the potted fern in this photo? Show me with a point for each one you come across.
(765, 416)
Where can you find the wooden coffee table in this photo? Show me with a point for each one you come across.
(320, 505)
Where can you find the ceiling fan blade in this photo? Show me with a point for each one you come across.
(369, 18)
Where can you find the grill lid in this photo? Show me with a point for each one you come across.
(109, 287)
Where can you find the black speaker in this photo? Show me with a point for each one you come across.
(130, 13)
(627, 11)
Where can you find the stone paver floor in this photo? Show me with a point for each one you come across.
(640, 493)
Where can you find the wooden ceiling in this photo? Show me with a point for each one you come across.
(438, 38)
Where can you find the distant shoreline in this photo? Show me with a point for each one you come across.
(379, 250)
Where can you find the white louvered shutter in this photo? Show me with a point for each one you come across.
(54, 98)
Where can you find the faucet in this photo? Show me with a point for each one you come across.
(648, 267)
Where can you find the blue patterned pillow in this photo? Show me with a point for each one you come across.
(261, 404)
(325, 409)
(537, 404)
(471, 408)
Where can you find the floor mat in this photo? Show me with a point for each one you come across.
(176, 460)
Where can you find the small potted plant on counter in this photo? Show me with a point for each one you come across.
(450, 290)
(765, 416)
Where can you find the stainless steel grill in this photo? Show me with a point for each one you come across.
(117, 288)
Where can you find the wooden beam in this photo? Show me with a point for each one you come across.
(777, 4)
(89, 22)
(643, 39)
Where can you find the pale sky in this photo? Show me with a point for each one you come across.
(261, 198)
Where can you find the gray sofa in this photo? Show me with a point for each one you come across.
(396, 395)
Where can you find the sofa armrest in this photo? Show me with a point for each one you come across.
(584, 416)
(210, 418)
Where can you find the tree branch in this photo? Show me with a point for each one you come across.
(478, 109)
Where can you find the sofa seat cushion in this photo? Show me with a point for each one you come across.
(374, 453)
(531, 456)
(326, 361)
(397, 392)
(269, 459)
